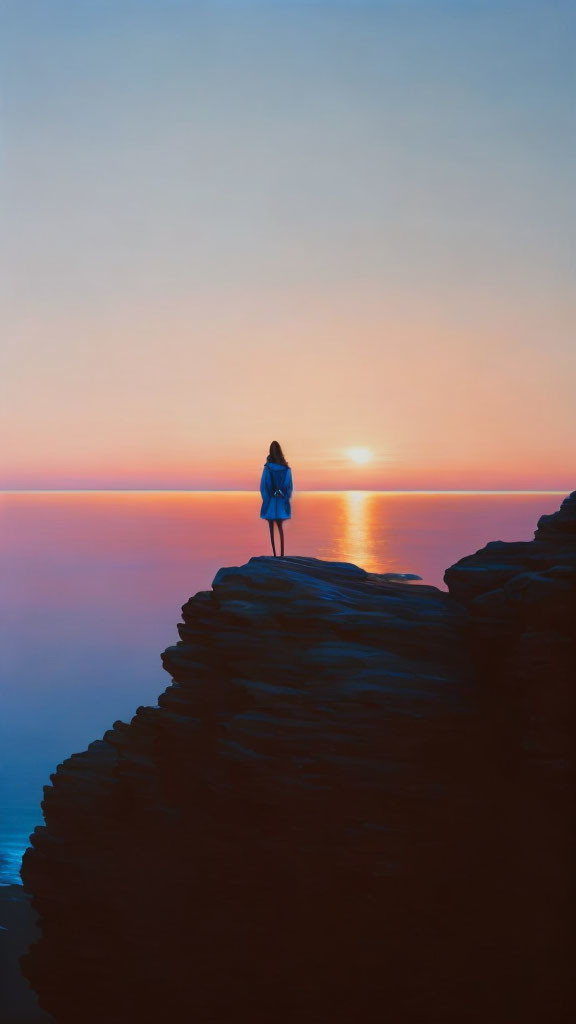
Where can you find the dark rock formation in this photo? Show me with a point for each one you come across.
(333, 813)
(521, 598)
(521, 601)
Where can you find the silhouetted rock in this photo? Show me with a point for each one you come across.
(322, 820)
(521, 598)
(551, 554)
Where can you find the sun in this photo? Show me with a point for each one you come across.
(359, 455)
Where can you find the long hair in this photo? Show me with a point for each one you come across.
(276, 454)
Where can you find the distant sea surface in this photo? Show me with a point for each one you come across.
(91, 586)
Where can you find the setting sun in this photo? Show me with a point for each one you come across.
(359, 455)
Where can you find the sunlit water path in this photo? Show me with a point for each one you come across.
(92, 584)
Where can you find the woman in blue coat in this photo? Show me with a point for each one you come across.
(276, 491)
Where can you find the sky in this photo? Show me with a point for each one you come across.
(334, 223)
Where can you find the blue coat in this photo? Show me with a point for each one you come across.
(275, 476)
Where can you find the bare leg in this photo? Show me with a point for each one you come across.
(280, 526)
(271, 525)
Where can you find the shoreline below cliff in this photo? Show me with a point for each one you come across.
(18, 930)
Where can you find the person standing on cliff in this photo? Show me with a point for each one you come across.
(276, 490)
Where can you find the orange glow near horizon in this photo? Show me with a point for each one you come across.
(326, 476)
(463, 427)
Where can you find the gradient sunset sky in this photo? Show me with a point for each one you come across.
(338, 224)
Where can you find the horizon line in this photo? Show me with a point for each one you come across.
(243, 490)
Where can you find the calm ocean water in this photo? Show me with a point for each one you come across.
(92, 585)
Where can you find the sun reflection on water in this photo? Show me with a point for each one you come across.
(354, 541)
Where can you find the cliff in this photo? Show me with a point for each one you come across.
(521, 600)
(336, 810)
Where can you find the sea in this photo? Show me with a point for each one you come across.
(92, 582)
